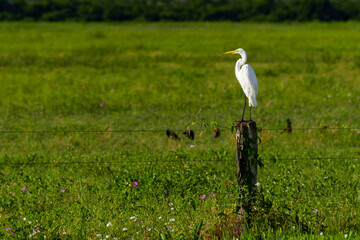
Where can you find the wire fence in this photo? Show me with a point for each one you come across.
(174, 161)
(332, 158)
(164, 130)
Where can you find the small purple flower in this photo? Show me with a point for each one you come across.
(10, 193)
(13, 233)
(315, 211)
(102, 105)
(202, 196)
(166, 191)
(201, 95)
(7, 229)
(350, 101)
(63, 190)
(223, 90)
(24, 188)
(135, 184)
(213, 195)
(230, 181)
(358, 132)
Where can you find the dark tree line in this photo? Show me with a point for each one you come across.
(180, 10)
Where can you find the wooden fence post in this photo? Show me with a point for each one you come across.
(246, 166)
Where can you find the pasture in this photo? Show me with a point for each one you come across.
(77, 102)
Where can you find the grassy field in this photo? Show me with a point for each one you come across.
(71, 77)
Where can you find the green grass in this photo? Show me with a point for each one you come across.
(54, 76)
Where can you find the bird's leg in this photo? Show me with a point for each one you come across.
(242, 119)
(250, 113)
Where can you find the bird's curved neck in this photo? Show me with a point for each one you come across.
(241, 61)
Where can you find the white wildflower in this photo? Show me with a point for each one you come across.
(321, 233)
(107, 236)
(64, 233)
(170, 229)
(133, 217)
(108, 224)
(346, 235)
(125, 229)
(149, 229)
(257, 184)
(98, 235)
(160, 218)
(24, 218)
(172, 220)
(30, 222)
(172, 208)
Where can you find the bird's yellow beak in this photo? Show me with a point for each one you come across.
(230, 52)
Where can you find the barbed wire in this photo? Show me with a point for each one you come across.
(122, 162)
(163, 130)
(175, 161)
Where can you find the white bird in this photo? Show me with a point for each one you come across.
(247, 79)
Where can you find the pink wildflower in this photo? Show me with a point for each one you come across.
(135, 184)
(202, 196)
(315, 211)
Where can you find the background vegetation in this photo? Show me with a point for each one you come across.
(75, 185)
(180, 10)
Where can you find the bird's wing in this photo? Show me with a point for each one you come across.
(253, 79)
(247, 79)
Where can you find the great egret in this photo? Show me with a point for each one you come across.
(247, 79)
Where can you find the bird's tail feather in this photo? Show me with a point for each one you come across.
(252, 102)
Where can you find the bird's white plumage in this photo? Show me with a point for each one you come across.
(246, 77)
